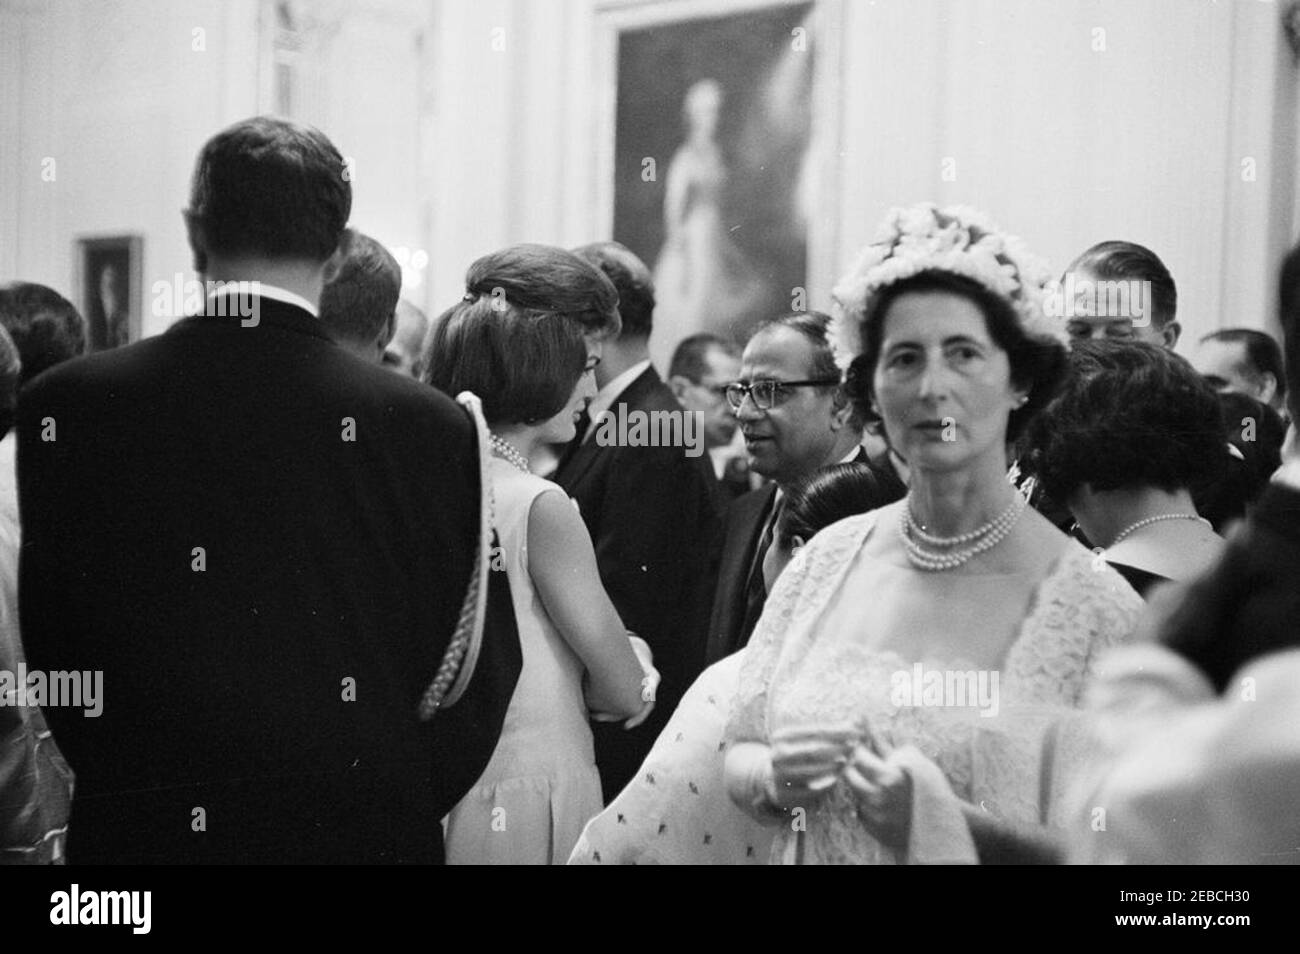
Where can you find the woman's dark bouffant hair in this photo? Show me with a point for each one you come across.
(1037, 364)
(522, 363)
(827, 496)
(548, 278)
(1129, 415)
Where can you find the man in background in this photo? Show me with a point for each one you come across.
(701, 368)
(404, 351)
(651, 511)
(1104, 309)
(358, 306)
(796, 418)
(1243, 361)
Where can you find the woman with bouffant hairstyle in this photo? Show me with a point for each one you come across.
(531, 370)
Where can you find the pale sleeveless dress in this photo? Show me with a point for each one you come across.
(541, 785)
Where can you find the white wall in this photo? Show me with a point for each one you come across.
(461, 148)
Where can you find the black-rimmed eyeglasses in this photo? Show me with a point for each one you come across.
(765, 393)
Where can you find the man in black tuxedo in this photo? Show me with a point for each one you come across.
(264, 544)
(651, 511)
(796, 418)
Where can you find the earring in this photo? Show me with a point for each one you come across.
(1024, 399)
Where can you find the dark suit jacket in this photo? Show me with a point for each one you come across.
(1248, 604)
(260, 693)
(653, 517)
(742, 527)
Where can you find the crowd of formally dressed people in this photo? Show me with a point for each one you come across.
(960, 578)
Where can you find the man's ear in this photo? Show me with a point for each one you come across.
(198, 240)
(1171, 332)
(841, 410)
(1268, 387)
(330, 270)
(385, 337)
(678, 385)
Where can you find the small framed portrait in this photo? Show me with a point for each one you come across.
(111, 294)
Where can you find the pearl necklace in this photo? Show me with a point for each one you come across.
(507, 451)
(922, 550)
(1150, 520)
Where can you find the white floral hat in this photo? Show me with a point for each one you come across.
(959, 240)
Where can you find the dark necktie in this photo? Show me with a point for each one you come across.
(755, 588)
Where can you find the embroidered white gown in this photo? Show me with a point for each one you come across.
(800, 669)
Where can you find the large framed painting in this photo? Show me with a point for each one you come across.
(109, 277)
(710, 171)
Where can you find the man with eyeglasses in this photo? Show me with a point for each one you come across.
(795, 418)
(701, 368)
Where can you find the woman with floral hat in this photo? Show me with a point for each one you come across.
(903, 693)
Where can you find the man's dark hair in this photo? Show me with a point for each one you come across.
(1116, 260)
(44, 326)
(815, 327)
(632, 280)
(547, 278)
(691, 357)
(1263, 353)
(522, 363)
(270, 187)
(1129, 415)
(1037, 364)
(362, 298)
(11, 368)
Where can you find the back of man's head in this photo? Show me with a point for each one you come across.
(269, 188)
(357, 306)
(636, 290)
(44, 326)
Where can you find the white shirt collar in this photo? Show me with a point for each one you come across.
(606, 396)
(275, 293)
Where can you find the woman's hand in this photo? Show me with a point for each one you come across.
(806, 764)
(883, 792)
(649, 685)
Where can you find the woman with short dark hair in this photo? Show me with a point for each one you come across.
(532, 371)
(1133, 436)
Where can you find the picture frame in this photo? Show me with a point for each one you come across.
(109, 278)
(765, 74)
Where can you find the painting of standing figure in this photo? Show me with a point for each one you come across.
(712, 165)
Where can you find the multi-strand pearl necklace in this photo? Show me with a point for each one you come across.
(506, 450)
(929, 552)
(1150, 520)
